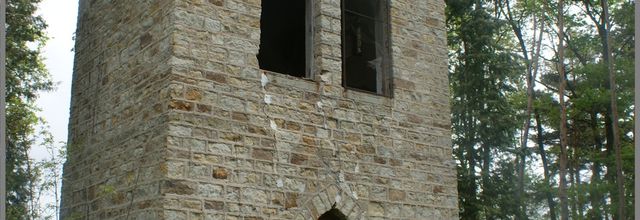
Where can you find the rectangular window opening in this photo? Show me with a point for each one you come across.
(285, 37)
(366, 55)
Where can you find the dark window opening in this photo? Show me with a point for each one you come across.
(365, 46)
(333, 214)
(283, 37)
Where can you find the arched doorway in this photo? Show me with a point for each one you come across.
(333, 214)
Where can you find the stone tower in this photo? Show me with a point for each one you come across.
(260, 109)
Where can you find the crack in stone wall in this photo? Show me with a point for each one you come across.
(173, 119)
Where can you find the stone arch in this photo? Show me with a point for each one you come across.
(331, 197)
(333, 214)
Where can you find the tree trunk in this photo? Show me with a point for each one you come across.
(545, 167)
(487, 189)
(595, 196)
(610, 175)
(579, 210)
(572, 180)
(562, 188)
(608, 58)
(531, 71)
(471, 210)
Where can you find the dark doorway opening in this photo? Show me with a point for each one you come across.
(283, 37)
(333, 214)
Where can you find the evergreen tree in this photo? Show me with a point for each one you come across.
(486, 36)
(482, 73)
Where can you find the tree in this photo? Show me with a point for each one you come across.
(47, 177)
(26, 76)
(562, 191)
(578, 92)
(608, 59)
(530, 56)
(482, 75)
(603, 55)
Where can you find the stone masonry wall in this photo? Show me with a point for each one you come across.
(117, 129)
(173, 119)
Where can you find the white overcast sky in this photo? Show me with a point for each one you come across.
(60, 16)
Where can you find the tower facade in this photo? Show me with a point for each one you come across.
(260, 109)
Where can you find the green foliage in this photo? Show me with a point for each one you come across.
(75, 216)
(106, 189)
(47, 178)
(482, 77)
(26, 76)
(489, 98)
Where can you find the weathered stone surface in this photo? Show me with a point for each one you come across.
(298, 159)
(397, 195)
(170, 114)
(215, 205)
(262, 154)
(179, 187)
(291, 200)
(220, 173)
